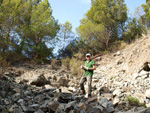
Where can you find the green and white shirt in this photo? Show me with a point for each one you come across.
(89, 64)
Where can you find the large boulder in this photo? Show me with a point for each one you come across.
(39, 80)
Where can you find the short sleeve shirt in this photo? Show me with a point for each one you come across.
(89, 65)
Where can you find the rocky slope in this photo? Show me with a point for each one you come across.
(127, 70)
(41, 89)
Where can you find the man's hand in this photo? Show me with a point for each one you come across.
(84, 67)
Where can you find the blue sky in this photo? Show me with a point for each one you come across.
(74, 10)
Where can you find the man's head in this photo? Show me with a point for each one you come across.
(88, 56)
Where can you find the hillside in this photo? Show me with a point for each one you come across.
(119, 80)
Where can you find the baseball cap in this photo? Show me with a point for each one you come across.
(88, 54)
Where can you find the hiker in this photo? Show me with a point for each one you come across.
(88, 66)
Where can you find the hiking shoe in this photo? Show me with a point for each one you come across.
(89, 95)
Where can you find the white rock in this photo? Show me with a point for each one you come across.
(117, 92)
(147, 93)
(48, 87)
(135, 75)
(116, 101)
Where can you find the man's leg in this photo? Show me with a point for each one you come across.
(89, 81)
(82, 80)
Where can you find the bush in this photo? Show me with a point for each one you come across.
(133, 101)
(75, 67)
(73, 64)
(118, 45)
(55, 63)
(3, 65)
(66, 62)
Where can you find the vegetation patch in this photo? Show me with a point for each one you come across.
(133, 101)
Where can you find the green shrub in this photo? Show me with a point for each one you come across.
(134, 101)
(112, 77)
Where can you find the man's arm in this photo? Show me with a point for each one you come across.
(94, 67)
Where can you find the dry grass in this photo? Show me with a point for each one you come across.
(3, 65)
(73, 64)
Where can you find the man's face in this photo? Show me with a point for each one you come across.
(88, 57)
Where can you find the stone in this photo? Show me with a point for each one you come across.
(72, 89)
(147, 94)
(80, 106)
(3, 93)
(52, 106)
(148, 105)
(60, 108)
(65, 90)
(27, 109)
(117, 92)
(147, 100)
(48, 87)
(135, 75)
(17, 110)
(94, 110)
(101, 108)
(95, 80)
(39, 98)
(35, 106)
(104, 90)
(39, 80)
(109, 96)
(44, 107)
(11, 109)
(65, 97)
(70, 106)
(110, 110)
(39, 111)
(6, 102)
(116, 101)
(20, 101)
(63, 81)
(91, 100)
(105, 103)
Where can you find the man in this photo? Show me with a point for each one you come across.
(88, 66)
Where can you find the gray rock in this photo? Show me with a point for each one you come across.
(44, 107)
(3, 93)
(60, 108)
(109, 96)
(91, 100)
(52, 106)
(63, 81)
(27, 109)
(65, 97)
(39, 111)
(104, 90)
(70, 106)
(80, 107)
(39, 81)
(35, 106)
(105, 103)
(17, 110)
